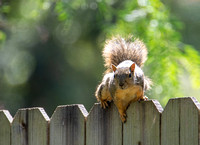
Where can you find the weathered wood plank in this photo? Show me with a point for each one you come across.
(170, 123)
(180, 122)
(143, 123)
(5, 131)
(67, 125)
(38, 128)
(19, 133)
(189, 121)
(30, 127)
(103, 126)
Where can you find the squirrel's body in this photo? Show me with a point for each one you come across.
(125, 82)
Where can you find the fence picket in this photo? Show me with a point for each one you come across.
(143, 123)
(30, 127)
(67, 125)
(189, 121)
(103, 126)
(5, 120)
(170, 123)
(180, 122)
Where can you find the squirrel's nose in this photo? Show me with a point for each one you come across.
(121, 84)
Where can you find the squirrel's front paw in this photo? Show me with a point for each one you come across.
(104, 104)
(144, 98)
(103, 95)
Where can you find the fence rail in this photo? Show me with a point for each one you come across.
(147, 124)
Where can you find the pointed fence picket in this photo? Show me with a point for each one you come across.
(180, 122)
(147, 124)
(67, 125)
(30, 127)
(143, 124)
(103, 126)
(5, 123)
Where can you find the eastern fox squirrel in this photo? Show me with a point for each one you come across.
(124, 81)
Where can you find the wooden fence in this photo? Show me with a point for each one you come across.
(147, 124)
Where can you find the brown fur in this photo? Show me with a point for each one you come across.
(119, 49)
(123, 99)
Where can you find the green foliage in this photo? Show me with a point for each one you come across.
(168, 57)
(51, 50)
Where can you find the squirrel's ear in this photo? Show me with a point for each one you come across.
(114, 68)
(132, 67)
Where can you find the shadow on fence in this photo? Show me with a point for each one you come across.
(147, 124)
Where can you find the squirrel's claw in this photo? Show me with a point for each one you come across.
(104, 104)
(123, 117)
(145, 98)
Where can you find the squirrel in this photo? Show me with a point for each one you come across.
(124, 81)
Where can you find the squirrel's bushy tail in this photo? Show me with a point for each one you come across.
(119, 49)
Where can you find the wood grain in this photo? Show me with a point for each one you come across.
(67, 125)
(180, 122)
(143, 123)
(189, 121)
(170, 123)
(103, 126)
(5, 131)
(30, 127)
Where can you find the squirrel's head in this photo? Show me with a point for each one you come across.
(124, 76)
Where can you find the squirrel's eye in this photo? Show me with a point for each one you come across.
(130, 75)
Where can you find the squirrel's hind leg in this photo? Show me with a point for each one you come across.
(121, 106)
(122, 115)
